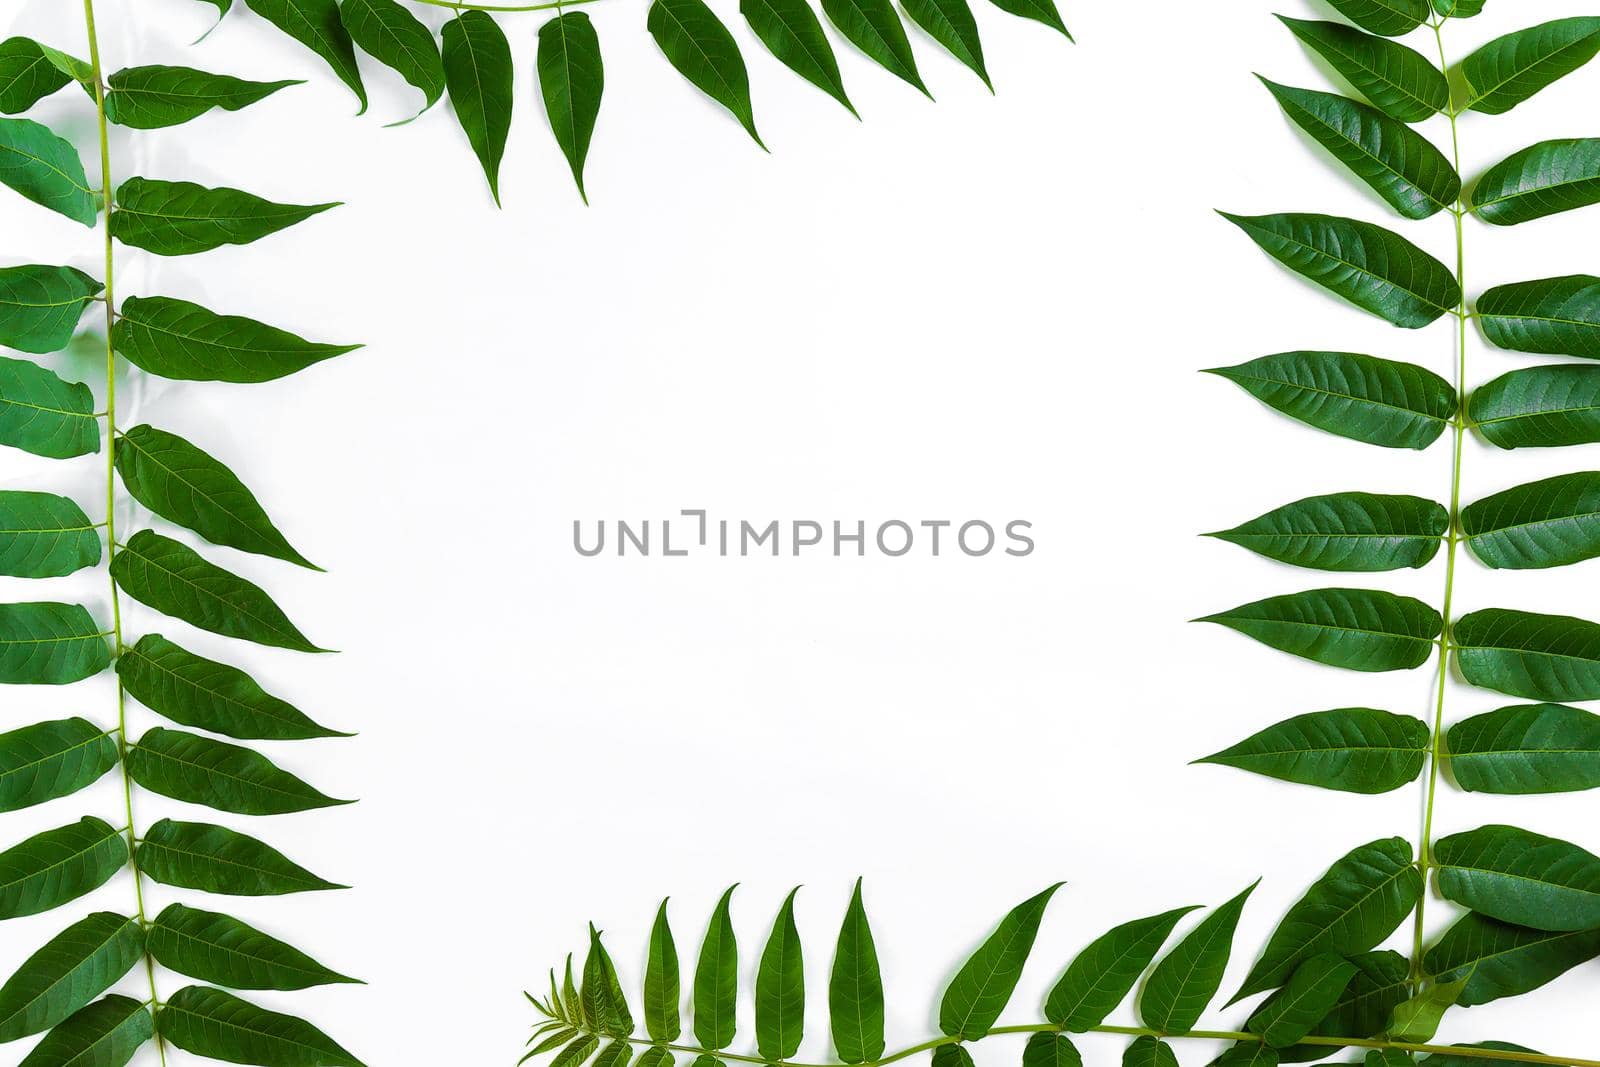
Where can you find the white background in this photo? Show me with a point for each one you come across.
(992, 307)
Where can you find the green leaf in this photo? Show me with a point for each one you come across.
(27, 75)
(395, 37)
(177, 339)
(615, 1054)
(1375, 269)
(1499, 960)
(40, 306)
(1521, 877)
(316, 24)
(1550, 317)
(781, 988)
(1539, 407)
(1357, 629)
(855, 988)
(42, 414)
(192, 488)
(1352, 532)
(181, 218)
(187, 689)
(1398, 80)
(980, 991)
(1353, 750)
(150, 98)
(1441, 1059)
(50, 644)
(1459, 9)
(46, 169)
(661, 1018)
(716, 980)
(875, 28)
(200, 770)
(1418, 1019)
(1388, 1057)
(214, 859)
(950, 22)
(1510, 69)
(604, 1005)
(107, 1033)
(1376, 401)
(1401, 165)
(655, 1056)
(1051, 1050)
(1360, 901)
(571, 80)
(1183, 983)
(1097, 979)
(1544, 180)
(52, 759)
(1537, 748)
(1294, 1011)
(218, 1025)
(1390, 18)
(58, 866)
(569, 994)
(1149, 1052)
(1549, 523)
(1248, 1054)
(72, 968)
(793, 33)
(1381, 984)
(581, 1049)
(219, 948)
(478, 70)
(952, 1056)
(44, 536)
(700, 47)
(1536, 657)
(171, 578)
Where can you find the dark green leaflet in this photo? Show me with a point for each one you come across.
(952, 1056)
(1510, 69)
(173, 579)
(107, 1033)
(46, 169)
(1549, 523)
(214, 859)
(1521, 877)
(201, 770)
(1356, 750)
(875, 28)
(1352, 532)
(177, 339)
(615, 1054)
(1399, 81)
(1248, 1054)
(148, 98)
(187, 689)
(178, 481)
(580, 1050)
(1440, 1059)
(980, 991)
(604, 1006)
(1375, 269)
(1536, 657)
(58, 866)
(44, 536)
(951, 23)
(27, 75)
(1539, 407)
(218, 1025)
(781, 988)
(52, 759)
(1536, 748)
(1183, 983)
(392, 35)
(478, 70)
(219, 948)
(572, 81)
(1038, 10)
(1352, 908)
(1149, 1052)
(42, 414)
(1549, 178)
(792, 32)
(1357, 629)
(716, 980)
(1500, 960)
(1401, 165)
(855, 989)
(68, 972)
(1311, 992)
(661, 1018)
(1097, 979)
(316, 24)
(181, 218)
(40, 306)
(1459, 9)
(655, 1056)
(696, 42)
(1390, 18)
(50, 644)
(1551, 317)
(1051, 1050)
(1382, 983)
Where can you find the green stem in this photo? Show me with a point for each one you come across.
(111, 487)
